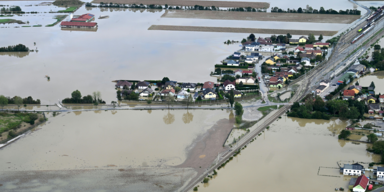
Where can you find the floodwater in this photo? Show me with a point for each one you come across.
(377, 78)
(292, 156)
(110, 139)
(122, 48)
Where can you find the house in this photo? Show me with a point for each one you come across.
(354, 169)
(298, 66)
(292, 70)
(228, 85)
(266, 48)
(374, 107)
(381, 98)
(270, 61)
(146, 92)
(167, 92)
(273, 80)
(303, 40)
(320, 44)
(209, 94)
(252, 57)
(208, 85)
(248, 81)
(314, 52)
(183, 94)
(238, 72)
(123, 84)
(344, 78)
(381, 113)
(348, 94)
(358, 67)
(324, 82)
(380, 173)
(78, 25)
(236, 54)
(293, 41)
(298, 50)
(250, 47)
(248, 72)
(361, 184)
(280, 46)
(320, 89)
(232, 63)
(306, 61)
(371, 99)
(142, 85)
(308, 47)
(248, 60)
(170, 85)
(190, 86)
(84, 18)
(237, 94)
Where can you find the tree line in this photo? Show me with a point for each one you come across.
(15, 48)
(377, 59)
(316, 108)
(166, 6)
(95, 98)
(310, 10)
(11, 9)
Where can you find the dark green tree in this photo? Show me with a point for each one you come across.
(76, 96)
(372, 85)
(231, 97)
(238, 109)
(320, 37)
(3, 101)
(372, 138)
(165, 79)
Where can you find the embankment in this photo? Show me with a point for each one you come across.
(239, 30)
(261, 16)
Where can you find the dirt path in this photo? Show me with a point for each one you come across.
(205, 149)
(260, 16)
(192, 3)
(239, 30)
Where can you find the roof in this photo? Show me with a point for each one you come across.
(142, 83)
(188, 85)
(303, 37)
(148, 90)
(248, 71)
(66, 23)
(324, 81)
(321, 87)
(299, 48)
(232, 62)
(227, 82)
(123, 83)
(381, 96)
(374, 106)
(208, 84)
(206, 91)
(171, 83)
(362, 181)
(273, 79)
(168, 91)
(309, 45)
(239, 70)
(380, 168)
(355, 166)
(320, 43)
(349, 93)
(293, 40)
(86, 16)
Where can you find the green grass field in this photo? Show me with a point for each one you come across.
(68, 10)
(5, 20)
(11, 121)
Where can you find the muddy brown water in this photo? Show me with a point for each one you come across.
(288, 157)
(120, 138)
(377, 78)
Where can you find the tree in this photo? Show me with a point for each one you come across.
(76, 96)
(344, 134)
(18, 101)
(165, 79)
(177, 89)
(188, 101)
(3, 101)
(252, 37)
(319, 104)
(372, 138)
(320, 37)
(227, 77)
(238, 109)
(243, 41)
(311, 38)
(94, 94)
(231, 97)
(300, 10)
(169, 100)
(118, 95)
(32, 118)
(357, 83)
(114, 103)
(378, 147)
(289, 35)
(372, 85)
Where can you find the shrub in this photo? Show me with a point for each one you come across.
(238, 119)
(12, 134)
(206, 180)
(195, 189)
(32, 118)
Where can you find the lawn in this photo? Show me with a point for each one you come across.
(58, 19)
(11, 121)
(68, 10)
(5, 20)
(267, 109)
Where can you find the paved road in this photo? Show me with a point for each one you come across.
(262, 85)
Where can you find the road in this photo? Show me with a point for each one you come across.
(262, 85)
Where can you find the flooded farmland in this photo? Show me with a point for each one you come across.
(292, 151)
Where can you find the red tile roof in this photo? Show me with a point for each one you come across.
(381, 96)
(320, 43)
(248, 71)
(309, 45)
(362, 181)
(208, 84)
(227, 82)
(66, 23)
(86, 16)
(299, 48)
(273, 79)
(349, 93)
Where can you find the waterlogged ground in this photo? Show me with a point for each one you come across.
(291, 152)
(377, 78)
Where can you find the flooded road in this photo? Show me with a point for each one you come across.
(377, 78)
(291, 156)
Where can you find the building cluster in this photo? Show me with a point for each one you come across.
(80, 22)
(206, 91)
(361, 183)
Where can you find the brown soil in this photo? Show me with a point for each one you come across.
(239, 30)
(261, 16)
(260, 5)
(206, 148)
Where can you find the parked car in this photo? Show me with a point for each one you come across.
(333, 84)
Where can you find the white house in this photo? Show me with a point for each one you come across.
(380, 173)
(209, 94)
(142, 85)
(183, 94)
(250, 61)
(306, 61)
(354, 169)
(236, 54)
(249, 81)
(190, 86)
(238, 72)
(228, 85)
(232, 63)
(266, 48)
(251, 47)
(381, 98)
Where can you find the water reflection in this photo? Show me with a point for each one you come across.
(15, 54)
(77, 112)
(169, 118)
(187, 117)
(113, 112)
(377, 78)
(149, 111)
